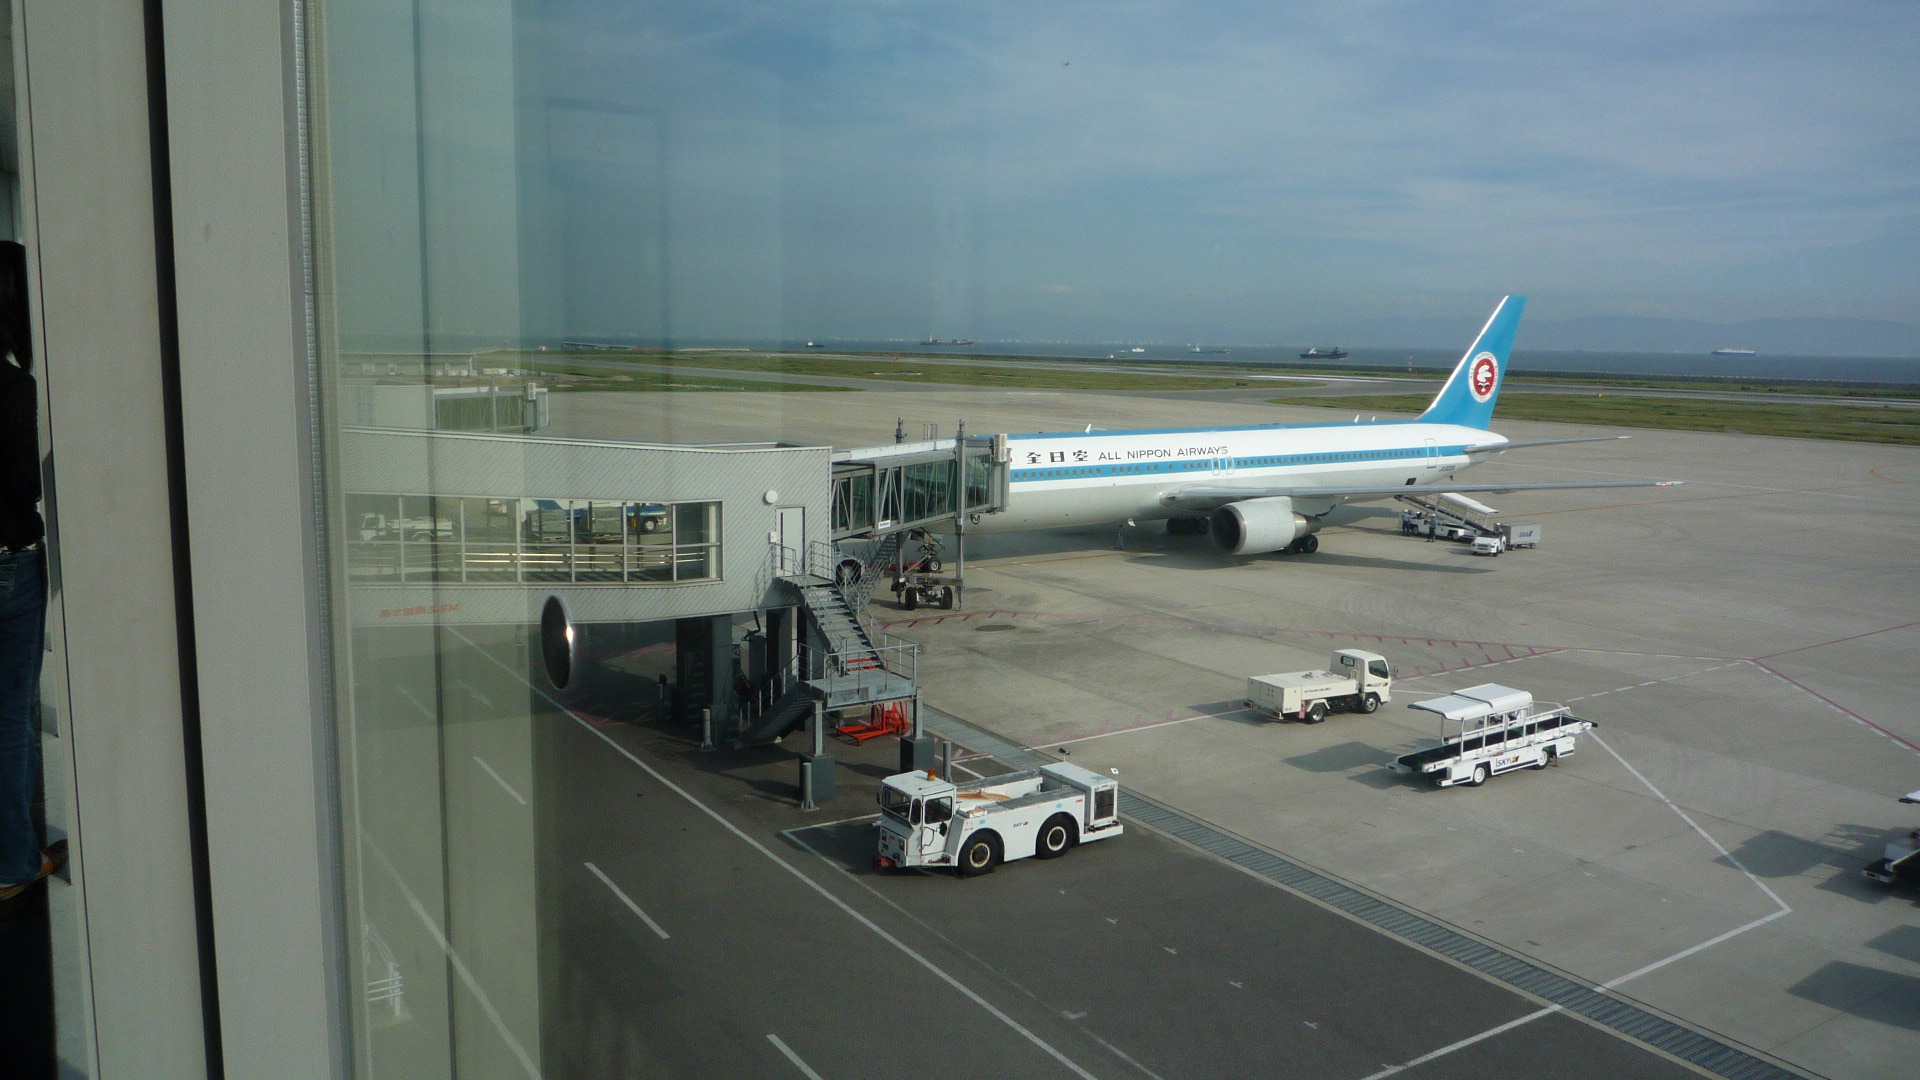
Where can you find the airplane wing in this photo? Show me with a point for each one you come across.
(1495, 448)
(1208, 496)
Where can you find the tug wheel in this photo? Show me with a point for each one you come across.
(1056, 837)
(980, 856)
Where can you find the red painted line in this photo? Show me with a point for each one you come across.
(1836, 641)
(1836, 705)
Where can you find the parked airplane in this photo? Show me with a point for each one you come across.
(1268, 488)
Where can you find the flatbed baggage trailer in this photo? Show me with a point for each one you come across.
(975, 826)
(1494, 729)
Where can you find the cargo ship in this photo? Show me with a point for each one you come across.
(1736, 352)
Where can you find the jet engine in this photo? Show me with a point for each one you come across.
(1253, 526)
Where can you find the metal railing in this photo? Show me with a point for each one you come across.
(391, 562)
(814, 560)
(872, 571)
(869, 670)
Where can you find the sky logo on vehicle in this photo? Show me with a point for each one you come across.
(1483, 376)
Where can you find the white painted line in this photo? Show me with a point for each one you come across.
(429, 713)
(1464, 1043)
(783, 864)
(627, 900)
(829, 824)
(1121, 1054)
(969, 772)
(459, 966)
(1142, 727)
(498, 779)
(805, 1069)
(1637, 972)
(1684, 953)
(1728, 855)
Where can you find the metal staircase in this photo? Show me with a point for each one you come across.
(1447, 510)
(845, 664)
(858, 592)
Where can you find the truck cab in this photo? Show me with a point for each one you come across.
(1368, 670)
(916, 813)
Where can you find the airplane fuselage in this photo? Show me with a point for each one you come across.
(1103, 477)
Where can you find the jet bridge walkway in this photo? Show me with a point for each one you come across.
(881, 490)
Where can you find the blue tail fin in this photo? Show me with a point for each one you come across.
(1468, 397)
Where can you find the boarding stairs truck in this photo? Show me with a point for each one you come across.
(1489, 729)
(1355, 680)
(1901, 858)
(975, 826)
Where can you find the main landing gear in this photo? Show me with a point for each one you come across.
(1306, 545)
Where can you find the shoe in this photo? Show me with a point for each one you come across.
(52, 860)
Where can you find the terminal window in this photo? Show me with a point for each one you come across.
(464, 540)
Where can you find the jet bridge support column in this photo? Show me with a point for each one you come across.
(816, 769)
(960, 515)
(917, 750)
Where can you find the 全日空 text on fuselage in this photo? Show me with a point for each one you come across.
(1109, 476)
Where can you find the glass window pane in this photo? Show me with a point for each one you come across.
(696, 523)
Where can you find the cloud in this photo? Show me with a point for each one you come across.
(925, 162)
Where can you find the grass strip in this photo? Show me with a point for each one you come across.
(665, 382)
(886, 369)
(1852, 423)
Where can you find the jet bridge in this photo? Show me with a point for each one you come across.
(880, 490)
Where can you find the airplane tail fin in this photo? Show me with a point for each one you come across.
(1467, 398)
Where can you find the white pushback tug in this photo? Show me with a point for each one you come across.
(975, 826)
(1489, 729)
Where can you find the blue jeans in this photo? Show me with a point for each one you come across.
(23, 627)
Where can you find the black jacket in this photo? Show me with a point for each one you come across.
(20, 522)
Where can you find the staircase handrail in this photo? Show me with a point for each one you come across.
(860, 592)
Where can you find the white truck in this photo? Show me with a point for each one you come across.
(1489, 729)
(1900, 858)
(975, 826)
(1489, 545)
(1355, 679)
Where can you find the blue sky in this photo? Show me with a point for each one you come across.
(990, 169)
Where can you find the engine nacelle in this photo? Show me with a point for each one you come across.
(1253, 526)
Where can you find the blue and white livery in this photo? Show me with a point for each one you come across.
(1267, 488)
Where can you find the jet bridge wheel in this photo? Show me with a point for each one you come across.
(1057, 837)
(980, 856)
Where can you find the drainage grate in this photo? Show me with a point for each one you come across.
(1624, 1017)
